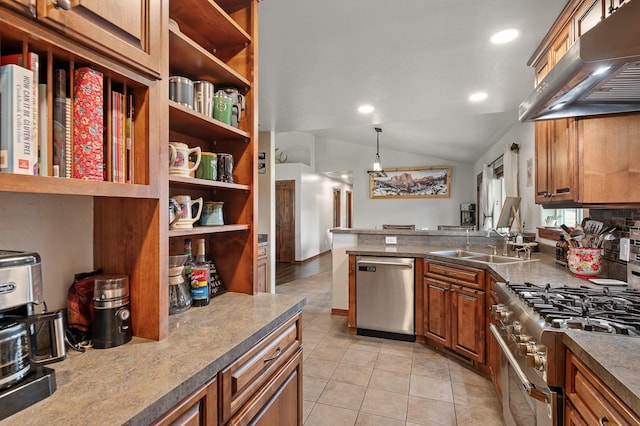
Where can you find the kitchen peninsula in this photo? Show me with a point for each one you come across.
(139, 382)
(613, 376)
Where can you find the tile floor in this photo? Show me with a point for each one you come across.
(358, 380)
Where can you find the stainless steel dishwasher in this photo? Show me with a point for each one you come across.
(385, 297)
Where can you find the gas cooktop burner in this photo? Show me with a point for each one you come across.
(585, 308)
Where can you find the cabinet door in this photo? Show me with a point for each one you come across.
(590, 13)
(560, 45)
(564, 161)
(467, 322)
(128, 30)
(262, 269)
(279, 402)
(610, 149)
(493, 352)
(543, 161)
(28, 7)
(437, 318)
(200, 408)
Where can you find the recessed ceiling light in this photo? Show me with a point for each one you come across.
(478, 96)
(505, 36)
(365, 109)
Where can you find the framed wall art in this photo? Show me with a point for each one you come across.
(420, 182)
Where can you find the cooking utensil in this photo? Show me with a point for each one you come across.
(593, 227)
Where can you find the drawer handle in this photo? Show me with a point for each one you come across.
(277, 354)
(62, 4)
(604, 421)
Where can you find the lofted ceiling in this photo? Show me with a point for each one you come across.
(415, 61)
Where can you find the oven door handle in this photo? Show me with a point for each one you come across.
(529, 387)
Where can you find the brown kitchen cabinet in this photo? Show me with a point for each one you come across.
(587, 160)
(589, 401)
(126, 217)
(454, 306)
(263, 270)
(199, 408)
(125, 30)
(493, 352)
(265, 384)
(225, 57)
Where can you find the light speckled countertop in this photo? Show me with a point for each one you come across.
(137, 382)
(614, 358)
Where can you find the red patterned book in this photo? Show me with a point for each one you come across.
(88, 113)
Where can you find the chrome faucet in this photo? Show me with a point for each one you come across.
(505, 236)
(468, 245)
(494, 248)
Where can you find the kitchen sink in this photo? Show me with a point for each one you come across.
(457, 253)
(492, 258)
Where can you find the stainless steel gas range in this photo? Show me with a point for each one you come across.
(528, 322)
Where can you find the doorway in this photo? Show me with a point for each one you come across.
(336, 207)
(285, 220)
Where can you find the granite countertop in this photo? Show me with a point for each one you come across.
(137, 382)
(612, 357)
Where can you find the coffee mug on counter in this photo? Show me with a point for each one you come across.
(179, 158)
(208, 168)
(212, 213)
(187, 217)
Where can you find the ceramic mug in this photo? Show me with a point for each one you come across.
(212, 213)
(174, 212)
(225, 167)
(208, 168)
(187, 217)
(179, 158)
(222, 106)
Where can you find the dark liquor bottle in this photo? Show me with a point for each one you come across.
(188, 263)
(200, 277)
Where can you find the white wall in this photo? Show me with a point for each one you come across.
(266, 203)
(334, 155)
(522, 134)
(313, 208)
(298, 147)
(58, 228)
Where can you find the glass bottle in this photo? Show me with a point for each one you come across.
(200, 277)
(188, 263)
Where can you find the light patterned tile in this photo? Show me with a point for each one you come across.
(319, 368)
(423, 411)
(366, 419)
(395, 347)
(327, 415)
(312, 387)
(354, 375)
(428, 387)
(386, 404)
(486, 415)
(390, 381)
(399, 364)
(437, 369)
(329, 353)
(342, 395)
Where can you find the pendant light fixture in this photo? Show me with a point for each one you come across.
(377, 170)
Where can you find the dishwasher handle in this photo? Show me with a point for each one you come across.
(382, 263)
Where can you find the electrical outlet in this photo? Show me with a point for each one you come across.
(625, 248)
(391, 240)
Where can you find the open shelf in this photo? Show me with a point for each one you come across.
(188, 121)
(191, 60)
(201, 230)
(213, 184)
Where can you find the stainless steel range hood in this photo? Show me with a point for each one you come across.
(599, 74)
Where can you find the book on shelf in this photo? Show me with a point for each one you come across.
(59, 122)
(68, 141)
(129, 140)
(88, 138)
(33, 64)
(43, 120)
(18, 151)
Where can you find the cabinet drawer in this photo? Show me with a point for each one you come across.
(245, 376)
(592, 399)
(468, 277)
(199, 408)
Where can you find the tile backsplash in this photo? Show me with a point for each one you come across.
(628, 226)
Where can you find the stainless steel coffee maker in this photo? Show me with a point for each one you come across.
(28, 339)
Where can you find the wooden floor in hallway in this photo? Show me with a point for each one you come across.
(287, 272)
